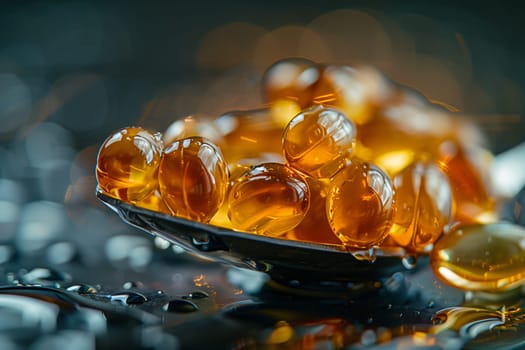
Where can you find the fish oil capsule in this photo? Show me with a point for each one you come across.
(193, 126)
(318, 140)
(481, 257)
(353, 91)
(248, 134)
(402, 127)
(154, 202)
(423, 206)
(269, 199)
(291, 79)
(467, 173)
(315, 227)
(127, 164)
(193, 178)
(360, 204)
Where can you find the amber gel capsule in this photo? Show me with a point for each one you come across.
(248, 134)
(193, 178)
(291, 79)
(315, 227)
(423, 205)
(127, 164)
(481, 257)
(269, 199)
(360, 204)
(318, 140)
(469, 180)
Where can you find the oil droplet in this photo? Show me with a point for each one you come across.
(481, 257)
(178, 305)
(469, 322)
(128, 298)
(281, 333)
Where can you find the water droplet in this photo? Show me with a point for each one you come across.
(198, 294)
(368, 337)
(44, 277)
(178, 305)
(395, 283)
(132, 284)
(177, 249)
(82, 289)
(128, 298)
(409, 262)
(431, 304)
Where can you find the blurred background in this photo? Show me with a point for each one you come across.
(71, 72)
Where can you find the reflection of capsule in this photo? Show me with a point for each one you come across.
(269, 199)
(193, 178)
(127, 164)
(360, 204)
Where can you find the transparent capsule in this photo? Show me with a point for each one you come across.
(269, 199)
(481, 257)
(291, 79)
(360, 204)
(315, 227)
(467, 170)
(423, 205)
(354, 91)
(154, 202)
(248, 134)
(405, 125)
(193, 178)
(318, 140)
(192, 126)
(127, 164)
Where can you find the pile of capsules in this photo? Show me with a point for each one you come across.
(338, 155)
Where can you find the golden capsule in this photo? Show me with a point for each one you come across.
(467, 170)
(481, 257)
(248, 134)
(360, 204)
(193, 178)
(407, 124)
(315, 227)
(318, 140)
(191, 126)
(269, 199)
(127, 164)
(423, 206)
(291, 79)
(154, 202)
